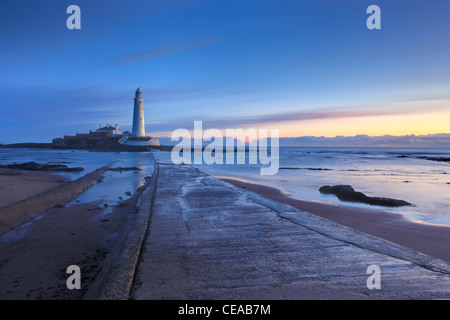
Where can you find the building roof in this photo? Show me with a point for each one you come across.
(108, 127)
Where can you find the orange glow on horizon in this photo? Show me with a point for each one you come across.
(397, 125)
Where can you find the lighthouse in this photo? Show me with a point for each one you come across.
(138, 116)
(137, 137)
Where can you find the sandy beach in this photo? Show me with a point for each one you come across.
(34, 256)
(426, 238)
(39, 195)
(16, 185)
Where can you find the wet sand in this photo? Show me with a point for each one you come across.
(34, 200)
(16, 185)
(35, 253)
(34, 258)
(426, 238)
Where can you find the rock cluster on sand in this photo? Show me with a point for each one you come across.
(435, 159)
(125, 169)
(347, 193)
(34, 166)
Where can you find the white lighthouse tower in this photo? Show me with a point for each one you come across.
(137, 136)
(138, 116)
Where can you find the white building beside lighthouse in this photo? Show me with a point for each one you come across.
(137, 136)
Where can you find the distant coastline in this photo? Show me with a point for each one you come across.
(441, 140)
(432, 141)
(105, 147)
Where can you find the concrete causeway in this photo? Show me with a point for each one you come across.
(207, 239)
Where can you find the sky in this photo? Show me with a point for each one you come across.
(307, 68)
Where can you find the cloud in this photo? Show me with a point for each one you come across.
(338, 113)
(148, 55)
(425, 97)
(69, 104)
(277, 118)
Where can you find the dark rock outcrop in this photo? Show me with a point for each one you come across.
(347, 193)
(34, 166)
(125, 169)
(312, 169)
(105, 147)
(435, 159)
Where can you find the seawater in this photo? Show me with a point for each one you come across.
(115, 186)
(382, 172)
(378, 172)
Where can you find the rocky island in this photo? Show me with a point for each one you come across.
(34, 166)
(347, 193)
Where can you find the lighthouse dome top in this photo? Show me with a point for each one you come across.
(138, 93)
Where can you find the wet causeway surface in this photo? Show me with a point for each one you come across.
(210, 240)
